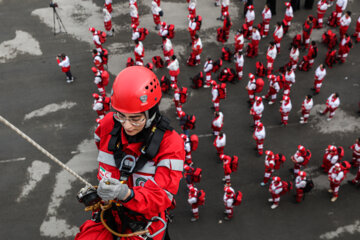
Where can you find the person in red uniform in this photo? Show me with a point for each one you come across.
(344, 47)
(356, 161)
(278, 35)
(345, 23)
(64, 63)
(142, 182)
(357, 30)
(269, 167)
(322, 6)
(101, 80)
(307, 30)
(239, 40)
(308, 60)
(266, 16)
(300, 184)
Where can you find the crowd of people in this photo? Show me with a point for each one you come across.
(279, 81)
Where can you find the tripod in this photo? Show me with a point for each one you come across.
(59, 21)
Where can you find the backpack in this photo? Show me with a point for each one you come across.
(260, 69)
(309, 185)
(332, 22)
(281, 80)
(237, 198)
(297, 40)
(260, 27)
(190, 122)
(197, 80)
(171, 31)
(194, 139)
(222, 90)
(226, 54)
(105, 78)
(158, 62)
(340, 153)
(130, 62)
(143, 33)
(165, 84)
(104, 54)
(201, 197)
(234, 163)
(161, 13)
(306, 158)
(102, 36)
(259, 85)
(287, 186)
(223, 76)
(198, 20)
(279, 161)
(217, 65)
(196, 177)
(183, 95)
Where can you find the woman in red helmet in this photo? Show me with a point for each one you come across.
(140, 159)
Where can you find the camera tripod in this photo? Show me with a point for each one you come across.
(57, 17)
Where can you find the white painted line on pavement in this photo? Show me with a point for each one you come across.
(50, 108)
(82, 163)
(35, 174)
(350, 229)
(13, 160)
(23, 43)
(205, 135)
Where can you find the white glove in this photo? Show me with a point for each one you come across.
(110, 189)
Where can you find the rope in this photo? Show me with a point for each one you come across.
(41, 149)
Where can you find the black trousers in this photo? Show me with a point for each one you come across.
(68, 75)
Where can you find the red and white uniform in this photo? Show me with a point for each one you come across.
(155, 9)
(215, 97)
(225, 7)
(108, 5)
(101, 107)
(340, 7)
(229, 196)
(330, 158)
(157, 2)
(107, 21)
(344, 24)
(192, 7)
(289, 81)
(300, 183)
(319, 77)
(133, 2)
(139, 53)
(135, 34)
(259, 136)
(220, 143)
(269, 167)
(298, 158)
(275, 190)
(174, 70)
(100, 82)
(322, 6)
(332, 104)
(217, 124)
(274, 88)
(208, 67)
(153, 185)
(278, 35)
(192, 28)
(163, 31)
(356, 153)
(64, 64)
(306, 108)
(239, 42)
(270, 57)
(289, 14)
(285, 109)
(178, 105)
(357, 30)
(134, 15)
(187, 147)
(251, 87)
(294, 58)
(98, 62)
(266, 16)
(197, 48)
(167, 49)
(255, 40)
(193, 201)
(239, 65)
(249, 18)
(257, 109)
(96, 40)
(344, 48)
(226, 159)
(307, 30)
(336, 176)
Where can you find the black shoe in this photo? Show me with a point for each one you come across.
(291, 170)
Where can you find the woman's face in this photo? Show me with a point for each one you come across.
(133, 123)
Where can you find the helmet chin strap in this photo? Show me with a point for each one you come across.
(148, 119)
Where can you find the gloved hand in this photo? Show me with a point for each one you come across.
(110, 188)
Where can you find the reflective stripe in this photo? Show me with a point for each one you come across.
(148, 168)
(96, 137)
(106, 158)
(172, 164)
(170, 196)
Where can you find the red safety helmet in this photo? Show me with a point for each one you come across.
(95, 95)
(258, 99)
(183, 136)
(106, 100)
(186, 167)
(213, 83)
(94, 69)
(271, 76)
(91, 29)
(268, 152)
(276, 179)
(286, 98)
(163, 24)
(259, 125)
(302, 174)
(301, 148)
(251, 7)
(287, 4)
(251, 76)
(136, 89)
(228, 190)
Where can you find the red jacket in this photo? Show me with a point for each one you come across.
(155, 184)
